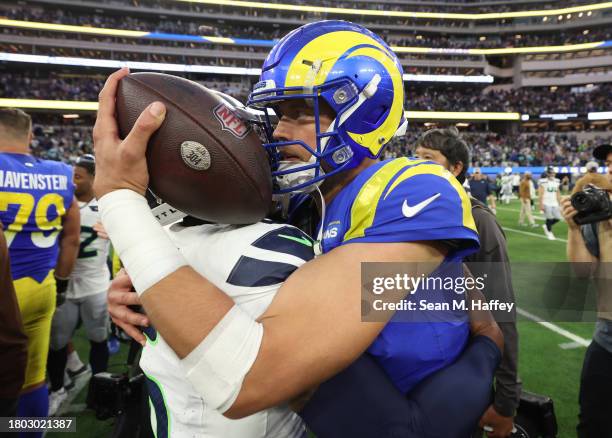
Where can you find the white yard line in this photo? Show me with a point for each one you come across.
(555, 328)
(527, 233)
(536, 216)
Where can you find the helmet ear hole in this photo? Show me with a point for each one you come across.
(383, 114)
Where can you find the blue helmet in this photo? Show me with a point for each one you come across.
(357, 75)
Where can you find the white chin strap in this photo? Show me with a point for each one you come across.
(296, 178)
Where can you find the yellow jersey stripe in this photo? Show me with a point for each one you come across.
(364, 206)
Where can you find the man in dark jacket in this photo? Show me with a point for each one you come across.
(13, 341)
(446, 147)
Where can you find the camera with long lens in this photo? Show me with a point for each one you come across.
(593, 205)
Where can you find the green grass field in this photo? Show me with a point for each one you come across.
(545, 367)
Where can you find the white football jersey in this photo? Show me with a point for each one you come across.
(90, 274)
(551, 187)
(506, 180)
(249, 263)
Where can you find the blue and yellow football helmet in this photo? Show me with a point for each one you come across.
(355, 72)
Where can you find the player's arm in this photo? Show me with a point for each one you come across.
(311, 331)
(69, 241)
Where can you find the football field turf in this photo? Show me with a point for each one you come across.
(550, 356)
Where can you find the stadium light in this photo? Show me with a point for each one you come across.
(49, 104)
(109, 63)
(404, 14)
(240, 71)
(93, 106)
(461, 115)
(602, 115)
(75, 29)
(484, 79)
(559, 116)
(269, 43)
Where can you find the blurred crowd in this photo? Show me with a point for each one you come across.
(532, 100)
(66, 143)
(524, 149)
(85, 88)
(450, 6)
(228, 28)
(529, 100)
(61, 142)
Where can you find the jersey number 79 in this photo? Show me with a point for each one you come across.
(48, 229)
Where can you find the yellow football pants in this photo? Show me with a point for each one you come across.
(37, 305)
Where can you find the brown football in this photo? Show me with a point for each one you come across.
(203, 160)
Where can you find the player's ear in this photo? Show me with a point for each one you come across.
(456, 168)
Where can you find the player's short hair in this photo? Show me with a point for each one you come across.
(15, 122)
(87, 162)
(449, 143)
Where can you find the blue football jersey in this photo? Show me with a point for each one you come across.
(404, 200)
(34, 195)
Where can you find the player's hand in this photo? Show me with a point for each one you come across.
(120, 296)
(121, 164)
(501, 426)
(568, 212)
(99, 229)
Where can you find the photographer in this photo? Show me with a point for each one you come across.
(589, 248)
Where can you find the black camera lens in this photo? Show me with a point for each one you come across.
(582, 202)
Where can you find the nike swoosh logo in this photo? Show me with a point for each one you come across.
(301, 240)
(409, 211)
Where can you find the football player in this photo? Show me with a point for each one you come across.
(249, 263)
(338, 90)
(86, 292)
(506, 188)
(42, 230)
(550, 200)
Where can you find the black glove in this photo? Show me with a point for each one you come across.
(61, 285)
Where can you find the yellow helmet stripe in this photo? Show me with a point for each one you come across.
(376, 139)
(364, 206)
(325, 49)
(434, 169)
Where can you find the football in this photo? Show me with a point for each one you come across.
(204, 160)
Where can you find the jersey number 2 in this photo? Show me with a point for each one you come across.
(89, 235)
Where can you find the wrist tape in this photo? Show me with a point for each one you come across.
(143, 246)
(217, 367)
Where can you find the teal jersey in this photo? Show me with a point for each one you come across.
(406, 200)
(34, 195)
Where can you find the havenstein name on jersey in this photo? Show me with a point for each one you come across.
(32, 181)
